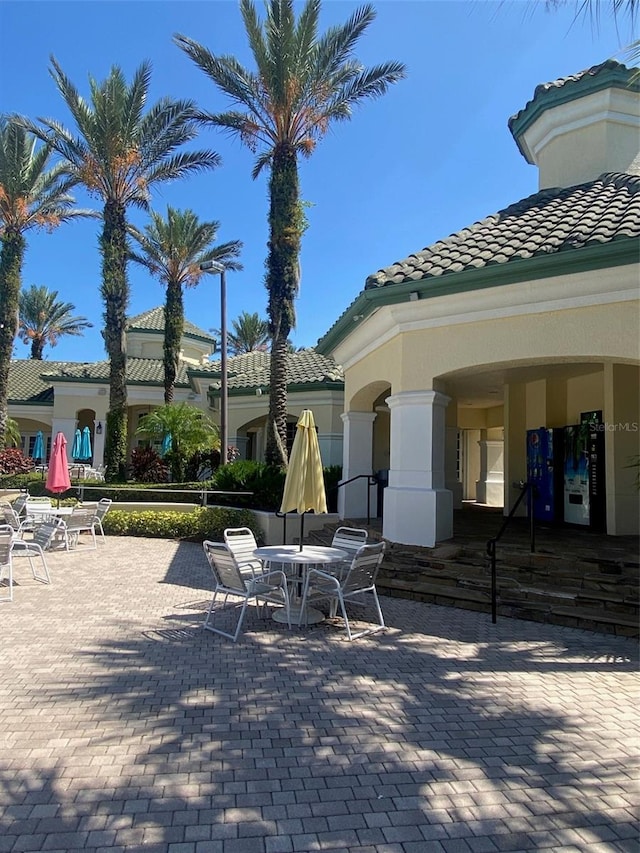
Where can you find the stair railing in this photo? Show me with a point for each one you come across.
(371, 479)
(525, 489)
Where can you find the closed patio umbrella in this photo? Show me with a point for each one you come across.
(38, 447)
(167, 443)
(304, 483)
(58, 477)
(75, 448)
(85, 445)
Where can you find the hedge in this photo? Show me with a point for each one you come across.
(197, 525)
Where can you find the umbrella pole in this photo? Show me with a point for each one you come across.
(301, 529)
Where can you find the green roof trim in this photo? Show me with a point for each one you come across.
(609, 74)
(602, 256)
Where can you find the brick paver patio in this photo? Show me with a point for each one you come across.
(124, 726)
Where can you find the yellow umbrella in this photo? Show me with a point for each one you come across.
(304, 483)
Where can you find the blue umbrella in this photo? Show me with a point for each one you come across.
(75, 449)
(166, 444)
(85, 445)
(38, 447)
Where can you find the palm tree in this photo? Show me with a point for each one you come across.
(172, 250)
(44, 320)
(303, 83)
(190, 430)
(33, 195)
(12, 433)
(250, 334)
(120, 152)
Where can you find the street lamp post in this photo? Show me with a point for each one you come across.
(216, 267)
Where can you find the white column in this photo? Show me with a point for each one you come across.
(490, 483)
(98, 440)
(418, 510)
(66, 426)
(357, 456)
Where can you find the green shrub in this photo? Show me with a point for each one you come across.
(197, 525)
(266, 482)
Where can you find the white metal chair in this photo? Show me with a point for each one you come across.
(102, 508)
(10, 518)
(261, 587)
(43, 536)
(348, 539)
(242, 543)
(359, 579)
(80, 521)
(6, 565)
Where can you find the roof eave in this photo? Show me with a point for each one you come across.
(600, 256)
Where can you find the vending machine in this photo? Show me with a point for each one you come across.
(544, 472)
(584, 475)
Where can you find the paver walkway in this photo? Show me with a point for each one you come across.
(124, 726)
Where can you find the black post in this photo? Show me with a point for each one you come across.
(491, 551)
(301, 528)
(532, 528)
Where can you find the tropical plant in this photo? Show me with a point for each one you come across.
(249, 333)
(12, 433)
(13, 461)
(172, 250)
(120, 152)
(304, 82)
(190, 431)
(33, 195)
(147, 466)
(44, 319)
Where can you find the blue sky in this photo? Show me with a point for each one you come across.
(430, 157)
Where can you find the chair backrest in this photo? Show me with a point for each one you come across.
(104, 505)
(349, 539)
(44, 501)
(364, 567)
(5, 548)
(19, 503)
(242, 543)
(10, 516)
(44, 533)
(81, 518)
(223, 566)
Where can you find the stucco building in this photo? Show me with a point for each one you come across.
(525, 319)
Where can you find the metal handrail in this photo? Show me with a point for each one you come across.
(525, 488)
(372, 480)
(203, 494)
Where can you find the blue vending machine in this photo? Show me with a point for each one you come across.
(544, 472)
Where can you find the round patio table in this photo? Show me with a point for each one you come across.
(292, 555)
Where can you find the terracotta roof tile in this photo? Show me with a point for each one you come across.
(253, 369)
(553, 220)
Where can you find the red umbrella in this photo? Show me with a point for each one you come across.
(58, 477)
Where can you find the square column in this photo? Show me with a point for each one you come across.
(490, 484)
(357, 458)
(418, 509)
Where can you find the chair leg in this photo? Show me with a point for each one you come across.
(208, 622)
(8, 597)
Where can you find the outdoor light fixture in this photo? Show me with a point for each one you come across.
(216, 267)
(414, 296)
(99, 428)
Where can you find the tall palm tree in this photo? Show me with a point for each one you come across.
(44, 319)
(303, 83)
(120, 152)
(250, 333)
(172, 250)
(33, 194)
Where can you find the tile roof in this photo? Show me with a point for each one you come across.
(253, 369)
(26, 382)
(139, 370)
(153, 321)
(609, 73)
(551, 221)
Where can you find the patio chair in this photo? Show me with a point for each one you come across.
(102, 508)
(6, 565)
(358, 580)
(242, 543)
(20, 503)
(80, 521)
(261, 587)
(43, 537)
(9, 518)
(348, 539)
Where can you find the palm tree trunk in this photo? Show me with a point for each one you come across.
(115, 292)
(173, 328)
(285, 228)
(13, 246)
(37, 348)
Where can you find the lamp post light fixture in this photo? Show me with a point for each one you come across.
(216, 267)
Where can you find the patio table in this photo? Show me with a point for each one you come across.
(302, 559)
